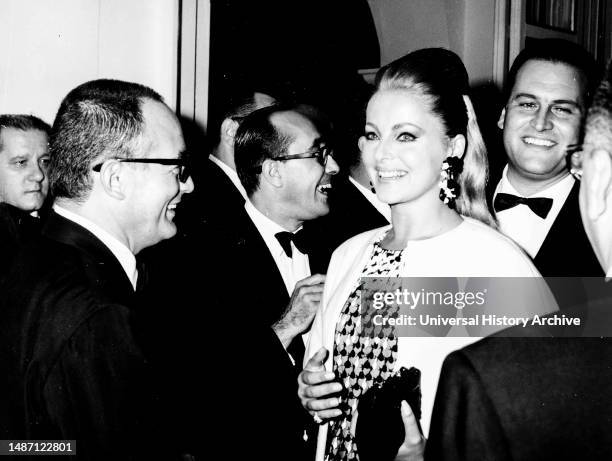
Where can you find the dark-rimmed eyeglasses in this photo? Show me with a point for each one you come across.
(321, 153)
(183, 164)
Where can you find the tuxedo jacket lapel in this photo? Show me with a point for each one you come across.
(100, 263)
(262, 278)
(566, 251)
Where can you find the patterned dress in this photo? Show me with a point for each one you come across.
(360, 360)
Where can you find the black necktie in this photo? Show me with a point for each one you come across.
(539, 205)
(299, 240)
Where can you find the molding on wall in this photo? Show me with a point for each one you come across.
(517, 23)
(500, 40)
(194, 60)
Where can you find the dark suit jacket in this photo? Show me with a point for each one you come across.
(527, 398)
(566, 251)
(75, 369)
(215, 202)
(245, 252)
(350, 214)
(226, 371)
(566, 254)
(16, 229)
(255, 291)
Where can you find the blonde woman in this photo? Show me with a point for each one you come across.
(424, 153)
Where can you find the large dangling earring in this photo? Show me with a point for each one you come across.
(449, 175)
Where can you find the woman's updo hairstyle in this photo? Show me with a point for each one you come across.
(440, 78)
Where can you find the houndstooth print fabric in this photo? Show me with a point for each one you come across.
(360, 360)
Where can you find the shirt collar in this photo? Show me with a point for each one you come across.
(266, 227)
(558, 191)
(123, 254)
(231, 174)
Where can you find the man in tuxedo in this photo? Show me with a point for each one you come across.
(76, 369)
(285, 167)
(541, 397)
(536, 200)
(216, 176)
(24, 156)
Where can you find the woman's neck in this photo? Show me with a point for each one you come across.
(419, 221)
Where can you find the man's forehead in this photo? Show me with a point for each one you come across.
(161, 125)
(537, 74)
(294, 124)
(14, 137)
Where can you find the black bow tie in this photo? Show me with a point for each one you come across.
(299, 240)
(539, 205)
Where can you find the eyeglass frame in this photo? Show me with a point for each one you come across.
(321, 153)
(182, 163)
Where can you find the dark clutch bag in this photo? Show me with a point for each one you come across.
(380, 429)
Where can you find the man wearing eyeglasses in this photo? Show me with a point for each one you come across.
(76, 369)
(285, 166)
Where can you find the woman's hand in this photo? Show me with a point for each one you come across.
(315, 385)
(413, 447)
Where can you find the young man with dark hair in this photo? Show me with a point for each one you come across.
(536, 200)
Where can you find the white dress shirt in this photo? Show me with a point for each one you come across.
(123, 254)
(382, 207)
(521, 224)
(292, 269)
(231, 174)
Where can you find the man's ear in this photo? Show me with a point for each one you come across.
(361, 143)
(271, 173)
(456, 147)
(113, 179)
(502, 119)
(597, 180)
(228, 130)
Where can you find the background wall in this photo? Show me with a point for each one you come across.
(464, 26)
(50, 46)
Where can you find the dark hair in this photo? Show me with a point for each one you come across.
(256, 140)
(439, 76)
(240, 103)
(97, 120)
(559, 51)
(24, 123)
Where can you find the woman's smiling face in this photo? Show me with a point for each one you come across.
(403, 146)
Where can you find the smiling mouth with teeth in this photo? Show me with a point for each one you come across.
(324, 188)
(391, 174)
(539, 142)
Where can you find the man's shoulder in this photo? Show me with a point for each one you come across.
(51, 292)
(496, 357)
(218, 183)
(50, 272)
